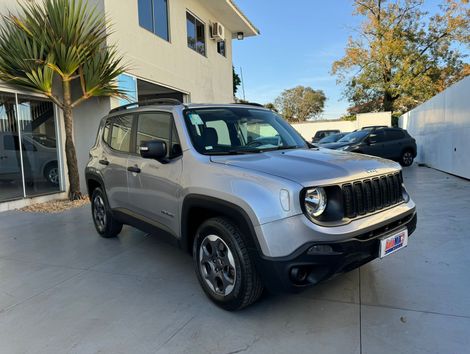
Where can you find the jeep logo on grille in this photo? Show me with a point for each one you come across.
(373, 170)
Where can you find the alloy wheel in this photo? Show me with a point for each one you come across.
(53, 175)
(407, 158)
(217, 265)
(99, 213)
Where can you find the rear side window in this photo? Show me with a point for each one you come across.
(158, 126)
(106, 131)
(121, 128)
(394, 134)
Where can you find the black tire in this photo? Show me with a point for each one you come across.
(51, 173)
(106, 225)
(407, 158)
(246, 285)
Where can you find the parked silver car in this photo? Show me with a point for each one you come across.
(239, 189)
(39, 157)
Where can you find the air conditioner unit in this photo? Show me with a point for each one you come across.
(218, 32)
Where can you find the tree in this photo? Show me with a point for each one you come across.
(402, 56)
(236, 81)
(271, 106)
(300, 103)
(51, 45)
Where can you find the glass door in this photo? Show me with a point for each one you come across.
(11, 179)
(39, 145)
(28, 147)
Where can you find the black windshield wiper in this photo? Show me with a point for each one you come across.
(233, 152)
(281, 147)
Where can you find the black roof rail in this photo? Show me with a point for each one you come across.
(156, 101)
(251, 104)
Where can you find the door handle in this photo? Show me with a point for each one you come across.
(104, 162)
(134, 169)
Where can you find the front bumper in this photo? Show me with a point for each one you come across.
(318, 261)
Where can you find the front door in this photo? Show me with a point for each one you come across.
(375, 144)
(154, 186)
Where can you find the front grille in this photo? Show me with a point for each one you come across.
(367, 196)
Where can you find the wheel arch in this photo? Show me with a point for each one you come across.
(198, 208)
(93, 180)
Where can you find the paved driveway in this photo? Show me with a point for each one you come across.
(63, 289)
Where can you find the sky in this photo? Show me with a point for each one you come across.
(299, 41)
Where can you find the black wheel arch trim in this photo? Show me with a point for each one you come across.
(96, 177)
(222, 208)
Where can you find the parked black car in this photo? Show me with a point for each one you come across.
(323, 133)
(333, 138)
(390, 143)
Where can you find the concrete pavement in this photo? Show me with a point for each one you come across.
(63, 289)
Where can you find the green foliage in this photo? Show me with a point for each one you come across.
(349, 117)
(236, 81)
(300, 103)
(402, 55)
(271, 106)
(59, 39)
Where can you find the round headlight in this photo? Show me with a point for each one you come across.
(315, 201)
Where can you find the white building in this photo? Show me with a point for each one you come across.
(172, 52)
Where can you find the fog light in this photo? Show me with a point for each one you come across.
(320, 249)
(298, 275)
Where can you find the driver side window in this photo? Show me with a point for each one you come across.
(377, 137)
(158, 126)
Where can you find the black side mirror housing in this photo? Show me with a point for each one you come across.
(153, 149)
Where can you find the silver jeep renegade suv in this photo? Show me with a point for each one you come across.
(239, 189)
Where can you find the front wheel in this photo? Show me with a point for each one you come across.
(407, 158)
(223, 265)
(106, 225)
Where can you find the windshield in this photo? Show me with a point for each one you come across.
(330, 138)
(237, 130)
(354, 137)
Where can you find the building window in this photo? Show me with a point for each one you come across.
(153, 15)
(196, 34)
(221, 48)
(128, 84)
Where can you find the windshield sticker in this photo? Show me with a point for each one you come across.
(209, 147)
(195, 119)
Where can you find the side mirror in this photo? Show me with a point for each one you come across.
(153, 149)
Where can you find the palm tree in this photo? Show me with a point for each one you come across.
(52, 45)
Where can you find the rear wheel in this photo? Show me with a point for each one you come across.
(106, 225)
(51, 173)
(407, 158)
(223, 265)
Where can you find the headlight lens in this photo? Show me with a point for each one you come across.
(315, 201)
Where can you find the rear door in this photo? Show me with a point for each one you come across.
(154, 187)
(118, 140)
(395, 143)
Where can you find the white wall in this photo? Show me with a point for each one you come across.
(441, 127)
(308, 129)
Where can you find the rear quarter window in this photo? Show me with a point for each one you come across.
(395, 134)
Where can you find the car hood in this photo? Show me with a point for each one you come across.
(310, 167)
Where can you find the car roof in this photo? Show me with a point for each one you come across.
(132, 108)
